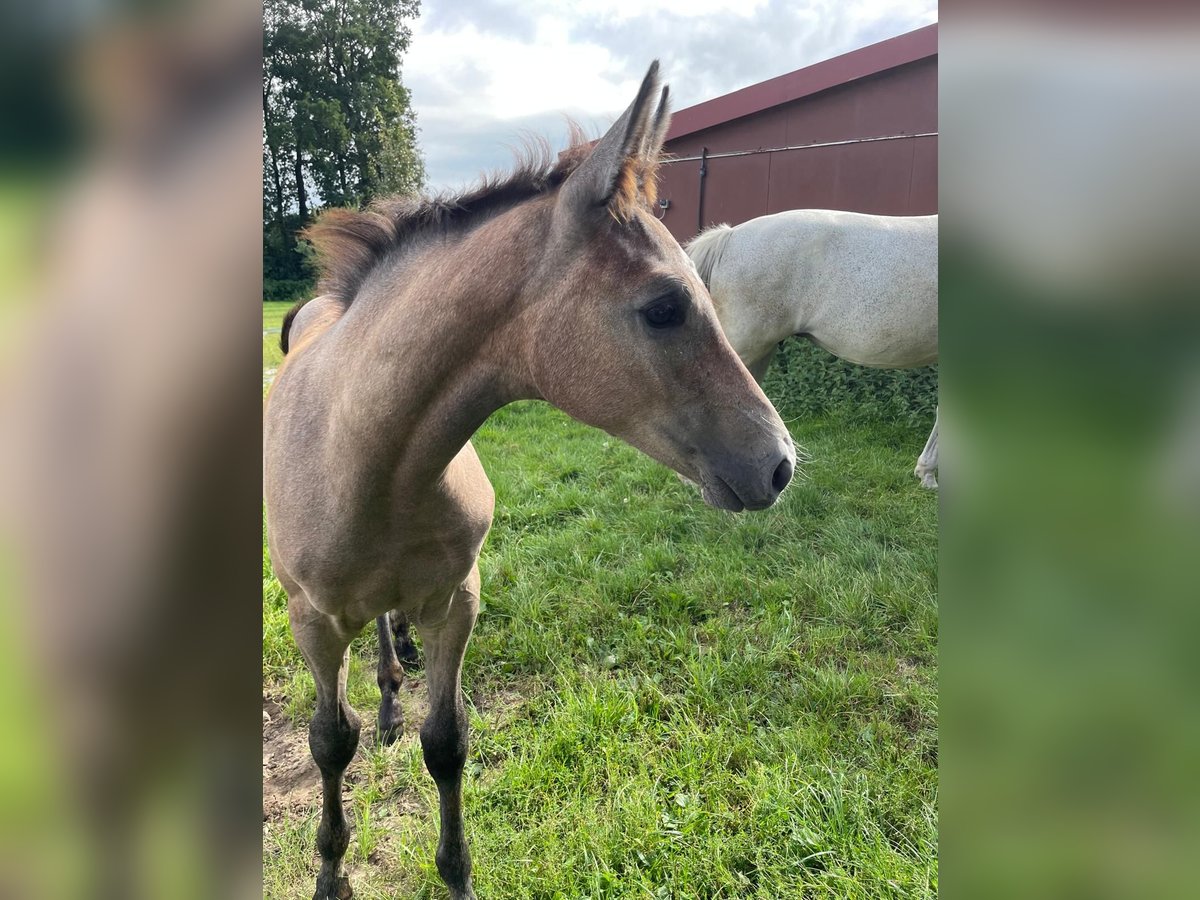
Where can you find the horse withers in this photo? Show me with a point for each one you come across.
(555, 282)
(863, 287)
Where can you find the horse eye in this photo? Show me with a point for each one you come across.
(663, 314)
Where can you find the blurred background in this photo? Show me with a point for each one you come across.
(130, 281)
(1070, 512)
(130, 238)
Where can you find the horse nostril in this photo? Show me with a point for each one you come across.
(783, 474)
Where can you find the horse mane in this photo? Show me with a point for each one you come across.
(351, 243)
(706, 249)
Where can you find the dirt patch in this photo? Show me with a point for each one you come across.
(499, 708)
(291, 782)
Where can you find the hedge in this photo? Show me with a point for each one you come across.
(806, 381)
(287, 290)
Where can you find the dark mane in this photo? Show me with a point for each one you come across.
(350, 244)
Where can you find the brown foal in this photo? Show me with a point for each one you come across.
(556, 283)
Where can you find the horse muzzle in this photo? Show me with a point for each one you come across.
(736, 483)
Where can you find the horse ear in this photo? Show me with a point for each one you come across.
(651, 152)
(610, 177)
(656, 134)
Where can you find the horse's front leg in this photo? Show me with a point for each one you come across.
(759, 367)
(332, 735)
(927, 463)
(444, 734)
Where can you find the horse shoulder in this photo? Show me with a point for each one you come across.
(471, 498)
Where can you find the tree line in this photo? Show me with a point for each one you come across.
(338, 124)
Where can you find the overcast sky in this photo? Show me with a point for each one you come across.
(483, 71)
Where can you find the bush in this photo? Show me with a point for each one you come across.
(287, 290)
(807, 381)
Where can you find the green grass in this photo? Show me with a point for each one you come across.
(668, 701)
(273, 314)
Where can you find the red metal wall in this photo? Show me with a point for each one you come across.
(887, 177)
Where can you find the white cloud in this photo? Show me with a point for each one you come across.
(481, 70)
(500, 77)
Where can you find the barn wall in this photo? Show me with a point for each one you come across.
(887, 177)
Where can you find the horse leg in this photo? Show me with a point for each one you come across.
(332, 735)
(927, 463)
(405, 648)
(758, 368)
(444, 734)
(389, 675)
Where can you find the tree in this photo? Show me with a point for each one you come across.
(338, 124)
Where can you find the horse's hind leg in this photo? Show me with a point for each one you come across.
(390, 675)
(332, 735)
(927, 463)
(444, 734)
(406, 650)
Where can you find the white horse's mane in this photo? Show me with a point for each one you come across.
(706, 248)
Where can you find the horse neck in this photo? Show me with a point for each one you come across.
(757, 306)
(440, 344)
(787, 266)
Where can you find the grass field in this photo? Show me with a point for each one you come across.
(273, 314)
(666, 701)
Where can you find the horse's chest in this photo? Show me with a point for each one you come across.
(436, 558)
(435, 546)
(395, 540)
